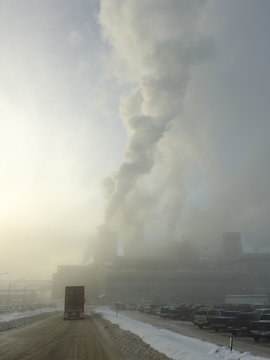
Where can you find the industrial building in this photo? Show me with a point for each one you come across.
(176, 276)
(173, 286)
(81, 275)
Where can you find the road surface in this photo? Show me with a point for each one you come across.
(56, 339)
(241, 343)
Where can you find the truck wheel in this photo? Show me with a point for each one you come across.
(257, 338)
(200, 326)
(216, 330)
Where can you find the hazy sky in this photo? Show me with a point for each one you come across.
(60, 132)
(167, 100)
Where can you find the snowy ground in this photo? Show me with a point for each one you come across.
(17, 319)
(173, 345)
(19, 315)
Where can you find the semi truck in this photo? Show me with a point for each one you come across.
(74, 302)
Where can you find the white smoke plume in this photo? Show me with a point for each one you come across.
(155, 44)
(197, 119)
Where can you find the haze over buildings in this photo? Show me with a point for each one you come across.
(165, 100)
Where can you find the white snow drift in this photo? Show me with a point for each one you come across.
(174, 345)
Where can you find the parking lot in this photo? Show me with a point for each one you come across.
(243, 342)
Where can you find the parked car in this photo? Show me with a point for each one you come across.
(168, 312)
(201, 318)
(261, 328)
(242, 322)
(155, 309)
(184, 312)
(132, 306)
(261, 312)
(219, 323)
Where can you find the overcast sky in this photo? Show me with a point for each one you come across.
(136, 114)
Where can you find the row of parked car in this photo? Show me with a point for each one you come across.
(171, 311)
(253, 322)
(250, 320)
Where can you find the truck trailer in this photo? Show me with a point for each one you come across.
(74, 302)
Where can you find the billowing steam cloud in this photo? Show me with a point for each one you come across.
(156, 43)
(196, 160)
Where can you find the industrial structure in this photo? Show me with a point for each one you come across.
(24, 291)
(174, 275)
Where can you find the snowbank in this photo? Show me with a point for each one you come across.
(19, 315)
(17, 319)
(174, 345)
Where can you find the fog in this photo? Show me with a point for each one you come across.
(147, 119)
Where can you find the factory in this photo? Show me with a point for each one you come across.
(175, 276)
